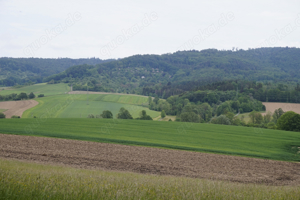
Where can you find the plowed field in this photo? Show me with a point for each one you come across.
(16, 107)
(92, 155)
(284, 106)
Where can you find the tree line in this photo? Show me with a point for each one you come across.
(123, 114)
(17, 97)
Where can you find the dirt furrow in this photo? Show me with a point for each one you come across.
(92, 155)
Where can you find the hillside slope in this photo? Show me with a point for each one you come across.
(21, 70)
(135, 72)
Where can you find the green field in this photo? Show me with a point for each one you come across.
(2, 110)
(21, 180)
(80, 106)
(42, 88)
(242, 141)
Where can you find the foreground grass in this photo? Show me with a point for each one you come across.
(20, 180)
(80, 106)
(232, 140)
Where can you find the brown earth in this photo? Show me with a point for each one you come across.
(93, 155)
(17, 107)
(270, 106)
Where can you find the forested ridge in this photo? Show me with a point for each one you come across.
(145, 74)
(34, 70)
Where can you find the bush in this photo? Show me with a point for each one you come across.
(15, 116)
(41, 95)
(144, 116)
(31, 95)
(222, 119)
(170, 120)
(289, 121)
(2, 115)
(271, 125)
(163, 114)
(106, 114)
(190, 117)
(124, 114)
(90, 116)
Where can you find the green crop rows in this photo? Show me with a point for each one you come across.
(243, 141)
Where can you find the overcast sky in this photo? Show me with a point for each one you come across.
(117, 29)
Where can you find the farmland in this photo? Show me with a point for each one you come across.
(22, 180)
(242, 141)
(80, 106)
(42, 88)
(271, 106)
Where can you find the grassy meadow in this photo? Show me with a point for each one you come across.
(81, 105)
(230, 140)
(21, 180)
(42, 88)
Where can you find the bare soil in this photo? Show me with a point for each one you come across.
(93, 155)
(16, 107)
(270, 106)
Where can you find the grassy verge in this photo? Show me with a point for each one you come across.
(232, 140)
(20, 180)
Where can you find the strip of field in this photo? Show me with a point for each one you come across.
(24, 180)
(270, 106)
(42, 88)
(232, 140)
(149, 160)
(16, 107)
(109, 93)
(80, 106)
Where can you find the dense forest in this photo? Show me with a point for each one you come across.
(33, 70)
(170, 74)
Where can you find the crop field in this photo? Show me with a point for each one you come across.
(271, 106)
(2, 110)
(232, 140)
(42, 88)
(125, 99)
(22, 180)
(80, 106)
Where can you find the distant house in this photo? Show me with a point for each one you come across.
(143, 77)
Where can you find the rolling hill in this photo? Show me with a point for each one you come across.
(21, 70)
(136, 72)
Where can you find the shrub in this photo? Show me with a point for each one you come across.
(222, 119)
(289, 121)
(90, 116)
(170, 120)
(190, 117)
(2, 115)
(31, 95)
(271, 125)
(144, 116)
(106, 114)
(163, 114)
(15, 116)
(124, 114)
(41, 95)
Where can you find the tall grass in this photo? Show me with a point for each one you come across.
(20, 180)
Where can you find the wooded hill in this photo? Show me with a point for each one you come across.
(135, 73)
(23, 70)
